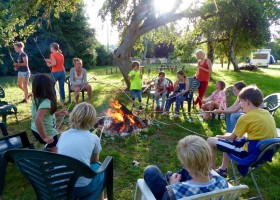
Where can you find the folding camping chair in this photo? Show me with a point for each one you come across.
(67, 81)
(267, 149)
(194, 85)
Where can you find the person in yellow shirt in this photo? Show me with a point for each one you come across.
(135, 76)
(255, 125)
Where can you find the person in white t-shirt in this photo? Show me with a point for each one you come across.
(161, 85)
(79, 143)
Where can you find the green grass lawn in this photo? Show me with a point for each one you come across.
(156, 145)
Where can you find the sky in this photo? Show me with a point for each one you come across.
(105, 34)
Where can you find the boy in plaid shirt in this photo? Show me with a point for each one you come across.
(194, 154)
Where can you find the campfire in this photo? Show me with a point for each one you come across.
(119, 120)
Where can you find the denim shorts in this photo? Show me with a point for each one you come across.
(24, 74)
(136, 93)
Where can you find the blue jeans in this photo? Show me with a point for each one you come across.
(172, 98)
(231, 120)
(137, 93)
(60, 77)
(163, 96)
(155, 180)
(95, 187)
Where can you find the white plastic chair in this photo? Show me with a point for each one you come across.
(143, 192)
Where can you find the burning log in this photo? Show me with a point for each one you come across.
(120, 119)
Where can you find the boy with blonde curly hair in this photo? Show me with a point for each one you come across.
(194, 154)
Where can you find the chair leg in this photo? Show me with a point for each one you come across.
(234, 172)
(109, 181)
(147, 103)
(83, 94)
(256, 186)
(69, 97)
(4, 118)
(3, 166)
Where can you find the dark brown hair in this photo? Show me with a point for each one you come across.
(253, 94)
(19, 44)
(239, 85)
(55, 46)
(222, 84)
(161, 74)
(182, 73)
(134, 64)
(43, 88)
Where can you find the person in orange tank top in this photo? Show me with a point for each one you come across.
(204, 69)
(56, 64)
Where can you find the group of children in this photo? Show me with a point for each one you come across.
(196, 155)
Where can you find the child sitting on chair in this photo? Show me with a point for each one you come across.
(79, 143)
(217, 100)
(161, 85)
(256, 122)
(195, 156)
(181, 89)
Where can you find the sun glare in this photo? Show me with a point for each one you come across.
(163, 6)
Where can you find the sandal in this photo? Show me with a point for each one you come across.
(222, 172)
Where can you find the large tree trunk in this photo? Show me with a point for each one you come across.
(210, 48)
(145, 42)
(232, 56)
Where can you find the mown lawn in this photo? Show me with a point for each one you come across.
(156, 145)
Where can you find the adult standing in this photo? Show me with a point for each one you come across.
(204, 70)
(56, 64)
(23, 70)
(78, 80)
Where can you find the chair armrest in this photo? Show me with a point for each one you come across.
(24, 139)
(143, 190)
(105, 164)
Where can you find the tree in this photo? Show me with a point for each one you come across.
(134, 19)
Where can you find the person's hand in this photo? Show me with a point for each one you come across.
(48, 139)
(220, 136)
(194, 76)
(15, 64)
(178, 94)
(62, 112)
(216, 111)
(49, 64)
(175, 178)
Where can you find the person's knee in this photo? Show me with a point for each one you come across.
(212, 141)
(150, 170)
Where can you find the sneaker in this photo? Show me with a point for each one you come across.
(222, 172)
(176, 115)
(165, 113)
(140, 108)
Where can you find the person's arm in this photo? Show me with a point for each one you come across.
(72, 77)
(53, 62)
(195, 75)
(176, 86)
(40, 124)
(230, 137)
(232, 109)
(209, 64)
(131, 75)
(164, 88)
(94, 158)
(25, 62)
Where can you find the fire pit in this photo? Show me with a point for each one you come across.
(119, 120)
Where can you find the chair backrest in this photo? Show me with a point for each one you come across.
(272, 102)
(225, 194)
(2, 92)
(229, 94)
(53, 176)
(268, 148)
(194, 84)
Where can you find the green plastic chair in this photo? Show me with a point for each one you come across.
(5, 108)
(8, 142)
(53, 176)
(194, 85)
(67, 81)
(272, 103)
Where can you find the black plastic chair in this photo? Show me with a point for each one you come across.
(5, 108)
(267, 149)
(272, 103)
(53, 176)
(67, 81)
(15, 141)
(194, 85)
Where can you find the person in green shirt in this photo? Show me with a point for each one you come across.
(135, 76)
(44, 110)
